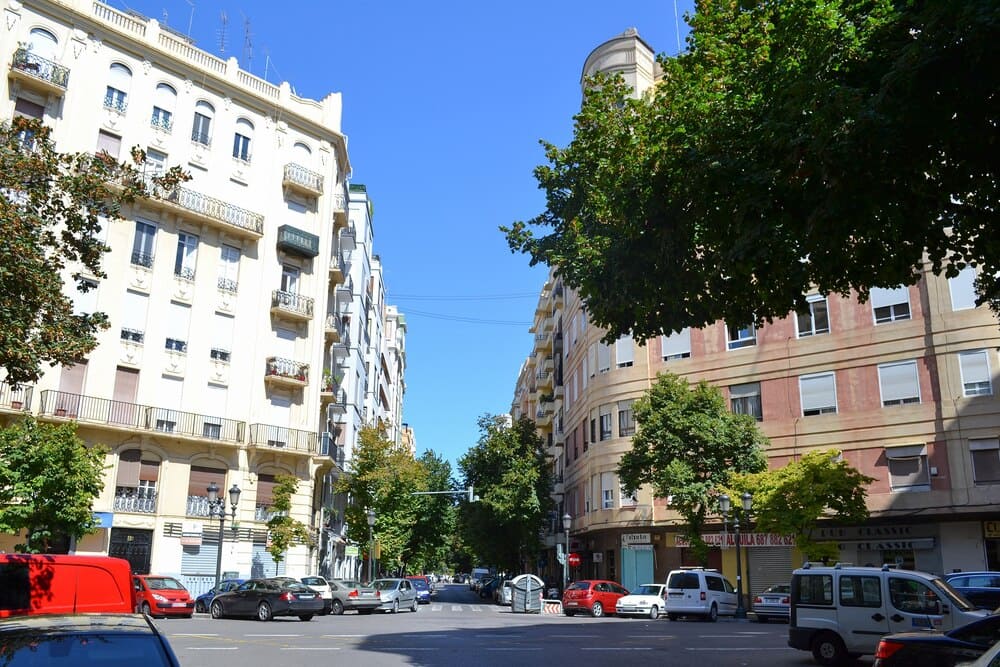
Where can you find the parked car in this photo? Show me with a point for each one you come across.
(321, 586)
(697, 591)
(646, 601)
(773, 603)
(989, 659)
(980, 588)
(267, 598)
(65, 584)
(486, 587)
(203, 601)
(937, 649)
(427, 579)
(84, 639)
(396, 594)
(351, 595)
(504, 593)
(162, 596)
(423, 590)
(594, 596)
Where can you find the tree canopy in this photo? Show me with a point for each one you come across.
(48, 482)
(283, 529)
(53, 207)
(430, 540)
(687, 447)
(796, 146)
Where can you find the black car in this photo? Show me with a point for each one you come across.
(936, 649)
(83, 639)
(980, 588)
(267, 598)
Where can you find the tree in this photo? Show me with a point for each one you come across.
(687, 447)
(430, 538)
(283, 530)
(48, 482)
(52, 209)
(792, 499)
(796, 146)
(507, 468)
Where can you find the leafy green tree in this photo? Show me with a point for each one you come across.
(283, 529)
(792, 500)
(687, 447)
(508, 471)
(797, 145)
(430, 538)
(48, 482)
(52, 208)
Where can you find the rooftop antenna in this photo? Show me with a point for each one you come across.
(190, 19)
(247, 43)
(677, 28)
(222, 32)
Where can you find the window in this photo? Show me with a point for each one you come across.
(908, 469)
(815, 589)
(898, 383)
(975, 367)
(156, 162)
(818, 394)
(626, 419)
(241, 140)
(603, 357)
(963, 289)
(219, 354)
(143, 244)
(229, 268)
(677, 345)
(84, 303)
(42, 43)
(741, 336)
(607, 490)
(201, 130)
(857, 591)
(134, 311)
(187, 255)
(178, 322)
(744, 399)
(302, 154)
(913, 597)
(605, 416)
(628, 499)
(985, 460)
(889, 305)
(816, 319)
(109, 143)
(164, 103)
(289, 279)
(116, 93)
(624, 354)
(593, 429)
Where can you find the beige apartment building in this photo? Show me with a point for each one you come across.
(236, 300)
(904, 385)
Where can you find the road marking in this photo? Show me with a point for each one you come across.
(572, 636)
(456, 607)
(193, 634)
(437, 607)
(212, 648)
(658, 637)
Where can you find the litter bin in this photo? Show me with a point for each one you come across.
(526, 594)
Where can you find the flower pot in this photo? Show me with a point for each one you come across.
(60, 412)
(16, 405)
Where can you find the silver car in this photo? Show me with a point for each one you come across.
(396, 594)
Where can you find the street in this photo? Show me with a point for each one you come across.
(458, 629)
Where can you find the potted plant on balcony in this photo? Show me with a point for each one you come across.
(327, 381)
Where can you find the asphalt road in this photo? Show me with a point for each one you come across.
(458, 629)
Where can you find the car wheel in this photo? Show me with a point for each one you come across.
(217, 611)
(654, 612)
(264, 612)
(713, 614)
(413, 607)
(671, 617)
(146, 609)
(828, 649)
(305, 617)
(395, 606)
(199, 607)
(337, 608)
(597, 610)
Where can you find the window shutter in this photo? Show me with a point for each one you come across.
(202, 476)
(134, 311)
(975, 366)
(624, 353)
(179, 321)
(818, 392)
(898, 381)
(265, 489)
(222, 334)
(29, 109)
(109, 143)
(120, 77)
(603, 357)
(882, 297)
(149, 471)
(128, 468)
(676, 344)
(165, 97)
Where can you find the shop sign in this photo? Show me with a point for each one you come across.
(746, 540)
(991, 528)
(628, 539)
(351, 550)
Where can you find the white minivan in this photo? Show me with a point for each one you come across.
(698, 591)
(842, 611)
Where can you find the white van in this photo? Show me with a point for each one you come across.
(697, 591)
(841, 611)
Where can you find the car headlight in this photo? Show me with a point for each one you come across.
(159, 598)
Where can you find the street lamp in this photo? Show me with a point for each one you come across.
(747, 501)
(724, 507)
(217, 508)
(371, 544)
(566, 520)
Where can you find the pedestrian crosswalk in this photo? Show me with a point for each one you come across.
(459, 608)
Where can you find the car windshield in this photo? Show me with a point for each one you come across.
(314, 581)
(784, 589)
(647, 589)
(164, 583)
(384, 584)
(683, 580)
(420, 584)
(956, 598)
(112, 648)
(579, 586)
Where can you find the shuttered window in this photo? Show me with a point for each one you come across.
(985, 460)
(676, 345)
(898, 382)
(202, 476)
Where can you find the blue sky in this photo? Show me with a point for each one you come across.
(444, 105)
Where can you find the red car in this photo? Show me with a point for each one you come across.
(162, 596)
(597, 597)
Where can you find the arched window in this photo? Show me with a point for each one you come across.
(42, 43)
(301, 154)
(164, 102)
(201, 132)
(242, 139)
(119, 83)
(136, 482)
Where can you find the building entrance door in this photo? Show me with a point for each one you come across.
(133, 545)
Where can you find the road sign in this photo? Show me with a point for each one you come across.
(351, 550)
(574, 560)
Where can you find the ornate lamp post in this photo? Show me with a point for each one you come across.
(747, 501)
(566, 521)
(217, 508)
(371, 544)
(724, 507)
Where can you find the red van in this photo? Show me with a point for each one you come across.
(64, 584)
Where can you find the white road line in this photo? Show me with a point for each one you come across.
(572, 636)
(476, 607)
(658, 637)
(512, 648)
(437, 607)
(456, 607)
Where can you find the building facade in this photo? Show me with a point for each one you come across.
(231, 298)
(905, 386)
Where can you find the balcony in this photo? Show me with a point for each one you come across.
(297, 242)
(345, 296)
(543, 342)
(339, 211)
(328, 446)
(549, 363)
(202, 208)
(557, 295)
(265, 513)
(299, 179)
(39, 74)
(558, 485)
(342, 346)
(557, 343)
(548, 324)
(543, 380)
(333, 329)
(130, 501)
(337, 402)
(286, 373)
(282, 438)
(198, 506)
(348, 238)
(15, 398)
(133, 416)
(337, 269)
(291, 306)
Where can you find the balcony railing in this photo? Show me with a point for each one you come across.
(338, 404)
(300, 178)
(265, 513)
(15, 397)
(40, 68)
(92, 410)
(288, 368)
(298, 242)
(292, 303)
(198, 506)
(132, 502)
(348, 238)
(280, 437)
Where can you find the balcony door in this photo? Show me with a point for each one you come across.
(70, 388)
(123, 408)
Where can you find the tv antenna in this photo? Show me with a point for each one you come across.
(247, 43)
(222, 32)
(190, 18)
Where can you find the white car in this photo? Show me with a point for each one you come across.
(321, 586)
(646, 600)
(697, 591)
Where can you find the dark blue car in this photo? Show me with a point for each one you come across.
(422, 589)
(204, 601)
(981, 588)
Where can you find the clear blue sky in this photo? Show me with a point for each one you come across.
(444, 105)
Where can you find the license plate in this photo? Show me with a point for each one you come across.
(179, 604)
(570, 604)
(772, 600)
(306, 597)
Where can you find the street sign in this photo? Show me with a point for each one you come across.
(574, 560)
(351, 550)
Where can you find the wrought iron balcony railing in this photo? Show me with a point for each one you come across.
(142, 503)
(15, 397)
(198, 506)
(297, 175)
(297, 241)
(36, 66)
(280, 437)
(288, 368)
(295, 303)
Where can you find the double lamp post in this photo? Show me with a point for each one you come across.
(217, 508)
(724, 506)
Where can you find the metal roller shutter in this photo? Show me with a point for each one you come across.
(261, 563)
(768, 566)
